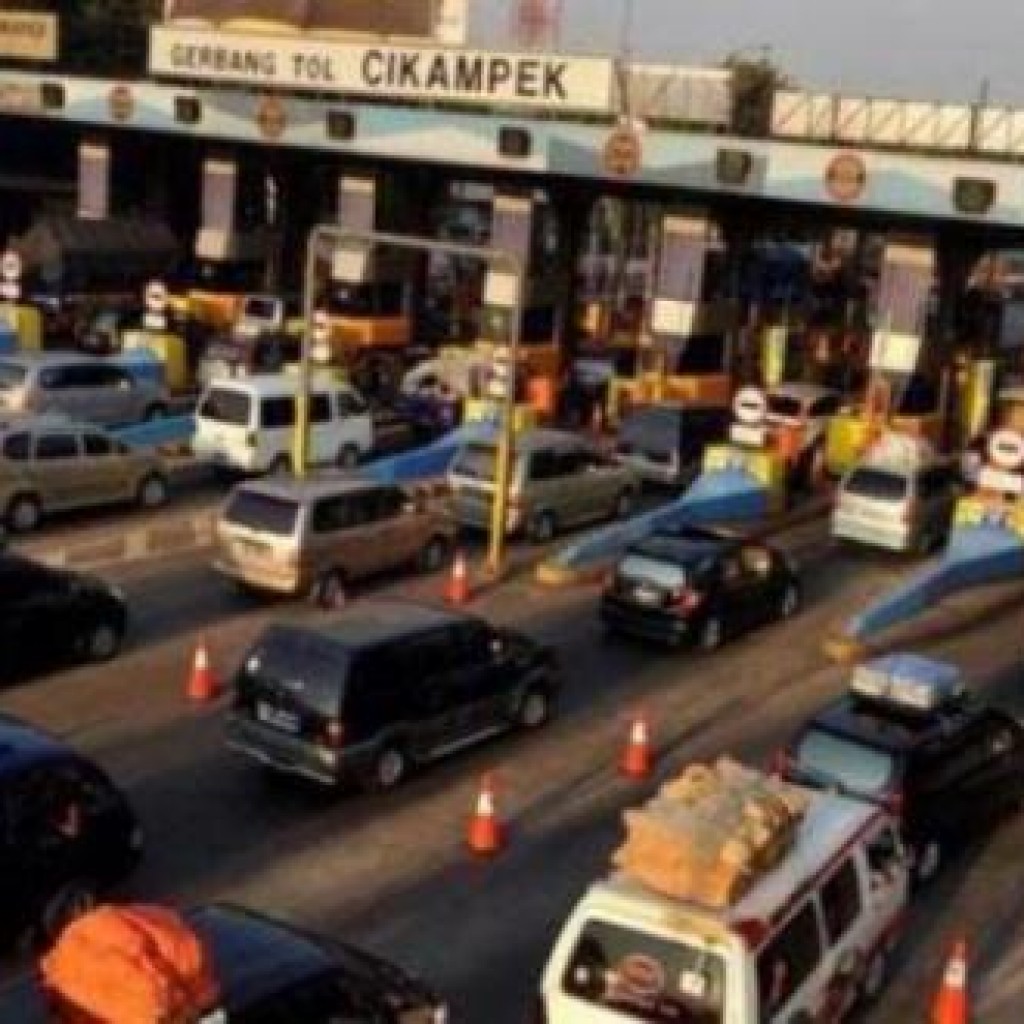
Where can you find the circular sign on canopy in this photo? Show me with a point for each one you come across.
(750, 406)
(846, 177)
(10, 266)
(623, 152)
(1006, 450)
(121, 103)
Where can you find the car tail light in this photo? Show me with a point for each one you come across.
(334, 733)
(687, 600)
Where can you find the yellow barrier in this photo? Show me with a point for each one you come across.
(27, 324)
(977, 509)
(486, 410)
(168, 348)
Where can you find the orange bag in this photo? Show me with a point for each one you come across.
(129, 965)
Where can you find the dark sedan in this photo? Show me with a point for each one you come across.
(700, 586)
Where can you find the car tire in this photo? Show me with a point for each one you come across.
(348, 457)
(711, 634)
(280, 465)
(24, 513)
(71, 901)
(156, 411)
(543, 527)
(434, 554)
(330, 592)
(101, 643)
(152, 491)
(623, 507)
(928, 861)
(388, 771)
(534, 710)
(789, 605)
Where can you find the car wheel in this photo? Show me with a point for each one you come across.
(434, 555)
(543, 527)
(875, 975)
(157, 411)
(330, 591)
(152, 491)
(927, 861)
(389, 769)
(790, 603)
(623, 507)
(101, 643)
(348, 457)
(280, 465)
(69, 903)
(24, 513)
(534, 708)
(711, 634)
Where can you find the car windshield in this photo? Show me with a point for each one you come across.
(643, 569)
(785, 406)
(646, 977)
(882, 484)
(478, 462)
(655, 429)
(11, 376)
(828, 759)
(223, 405)
(265, 513)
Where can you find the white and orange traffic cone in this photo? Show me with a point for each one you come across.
(456, 589)
(485, 834)
(951, 1003)
(203, 684)
(637, 758)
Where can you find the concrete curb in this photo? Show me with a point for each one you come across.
(187, 533)
(559, 577)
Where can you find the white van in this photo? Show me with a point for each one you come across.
(808, 941)
(248, 424)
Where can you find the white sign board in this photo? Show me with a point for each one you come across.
(156, 296)
(10, 266)
(28, 35)
(413, 72)
(10, 291)
(894, 353)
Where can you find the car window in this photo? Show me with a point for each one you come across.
(880, 484)
(785, 406)
(788, 961)
(572, 462)
(388, 503)
(841, 901)
(11, 376)
(56, 446)
(265, 513)
(828, 406)
(320, 409)
(477, 462)
(834, 760)
(276, 413)
(350, 404)
(338, 513)
(98, 445)
(222, 405)
(17, 447)
(544, 465)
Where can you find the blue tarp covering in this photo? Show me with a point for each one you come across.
(726, 496)
(157, 433)
(430, 460)
(975, 555)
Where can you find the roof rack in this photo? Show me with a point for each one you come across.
(910, 682)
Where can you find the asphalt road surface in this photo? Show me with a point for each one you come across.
(391, 873)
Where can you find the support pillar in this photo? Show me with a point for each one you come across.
(95, 165)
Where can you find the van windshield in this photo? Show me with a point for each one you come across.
(11, 376)
(880, 484)
(647, 977)
(477, 462)
(265, 513)
(827, 759)
(223, 405)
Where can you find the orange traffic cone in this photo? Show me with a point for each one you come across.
(951, 1004)
(637, 760)
(485, 834)
(456, 590)
(203, 684)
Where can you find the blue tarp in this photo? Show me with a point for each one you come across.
(974, 556)
(430, 460)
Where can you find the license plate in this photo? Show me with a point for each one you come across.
(286, 721)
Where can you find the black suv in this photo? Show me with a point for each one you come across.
(919, 744)
(700, 585)
(47, 613)
(664, 443)
(66, 833)
(388, 685)
(267, 971)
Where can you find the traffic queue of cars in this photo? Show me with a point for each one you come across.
(387, 687)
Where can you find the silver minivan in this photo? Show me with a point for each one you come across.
(87, 388)
(557, 481)
(899, 506)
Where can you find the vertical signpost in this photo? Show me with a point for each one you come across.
(10, 287)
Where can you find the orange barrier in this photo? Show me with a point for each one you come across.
(456, 590)
(951, 1003)
(485, 835)
(637, 759)
(203, 684)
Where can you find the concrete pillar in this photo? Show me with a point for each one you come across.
(95, 164)
(234, 210)
(900, 318)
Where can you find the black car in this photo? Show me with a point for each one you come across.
(910, 737)
(388, 685)
(664, 443)
(53, 613)
(270, 972)
(698, 585)
(67, 833)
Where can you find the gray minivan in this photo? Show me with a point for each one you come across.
(87, 388)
